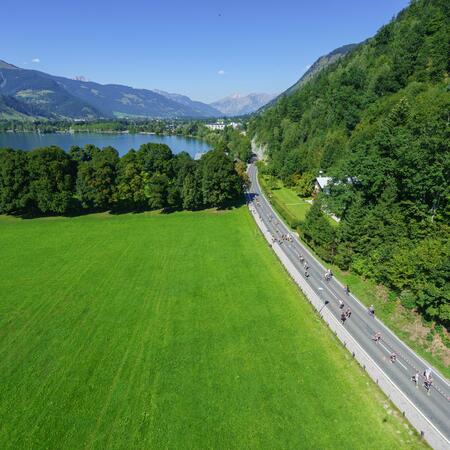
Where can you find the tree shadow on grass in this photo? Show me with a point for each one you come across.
(233, 204)
(122, 210)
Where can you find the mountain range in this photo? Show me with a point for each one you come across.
(34, 94)
(239, 105)
(202, 109)
(27, 94)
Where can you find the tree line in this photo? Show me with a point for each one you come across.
(379, 118)
(48, 180)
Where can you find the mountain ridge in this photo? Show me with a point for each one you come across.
(185, 100)
(320, 63)
(58, 97)
(238, 104)
(5, 65)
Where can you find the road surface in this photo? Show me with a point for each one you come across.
(435, 404)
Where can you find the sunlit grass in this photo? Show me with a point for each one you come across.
(170, 331)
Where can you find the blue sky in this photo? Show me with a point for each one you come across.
(204, 49)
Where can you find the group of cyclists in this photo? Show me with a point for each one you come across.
(428, 383)
(346, 312)
(346, 315)
(428, 380)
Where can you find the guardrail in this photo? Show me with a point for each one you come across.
(417, 419)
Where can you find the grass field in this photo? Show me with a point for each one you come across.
(287, 199)
(171, 331)
(294, 204)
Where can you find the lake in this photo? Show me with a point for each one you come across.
(121, 142)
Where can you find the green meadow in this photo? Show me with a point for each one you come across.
(297, 206)
(171, 331)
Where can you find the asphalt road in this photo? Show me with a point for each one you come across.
(435, 404)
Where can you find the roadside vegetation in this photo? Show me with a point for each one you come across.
(171, 331)
(376, 122)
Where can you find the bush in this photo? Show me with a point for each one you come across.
(407, 299)
(359, 266)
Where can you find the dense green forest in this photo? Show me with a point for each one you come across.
(51, 181)
(377, 122)
(234, 141)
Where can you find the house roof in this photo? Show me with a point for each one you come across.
(323, 181)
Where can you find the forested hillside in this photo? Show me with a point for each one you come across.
(377, 121)
(319, 64)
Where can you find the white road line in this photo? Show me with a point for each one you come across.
(402, 365)
(330, 291)
(384, 347)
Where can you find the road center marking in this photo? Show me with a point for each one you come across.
(398, 361)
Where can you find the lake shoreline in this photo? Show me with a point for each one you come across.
(123, 141)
